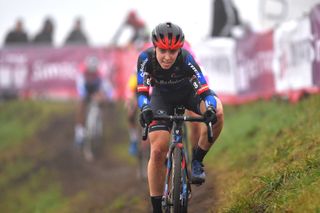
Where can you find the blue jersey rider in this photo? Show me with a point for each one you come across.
(176, 80)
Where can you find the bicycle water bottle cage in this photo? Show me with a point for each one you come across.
(179, 110)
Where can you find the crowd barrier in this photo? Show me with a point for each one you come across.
(281, 62)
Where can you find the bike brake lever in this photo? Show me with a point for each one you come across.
(145, 132)
(210, 133)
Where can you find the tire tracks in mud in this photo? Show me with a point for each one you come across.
(107, 179)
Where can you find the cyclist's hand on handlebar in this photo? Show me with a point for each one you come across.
(146, 115)
(210, 115)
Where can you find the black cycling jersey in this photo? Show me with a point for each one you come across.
(184, 76)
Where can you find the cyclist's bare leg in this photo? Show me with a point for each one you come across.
(80, 112)
(99, 97)
(198, 175)
(156, 167)
(194, 130)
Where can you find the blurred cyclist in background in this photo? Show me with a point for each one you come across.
(177, 80)
(132, 116)
(90, 85)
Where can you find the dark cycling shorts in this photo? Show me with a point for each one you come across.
(164, 103)
(91, 88)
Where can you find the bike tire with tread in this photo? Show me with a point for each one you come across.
(176, 175)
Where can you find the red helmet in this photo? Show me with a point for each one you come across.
(168, 36)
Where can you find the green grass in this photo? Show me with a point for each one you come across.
(19, 120)
(268, 157)
(24, 186)
(37, 193)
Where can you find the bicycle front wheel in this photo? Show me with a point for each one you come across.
(94, 131)
(176, 180)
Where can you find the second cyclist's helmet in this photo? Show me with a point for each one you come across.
(92, 64)
(168, 36)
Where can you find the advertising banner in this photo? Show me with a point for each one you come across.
(315, 28)
(293, 56)
(45, 71)
(217, 60)
(254, 65)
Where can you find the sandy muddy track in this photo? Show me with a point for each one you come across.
(106, 179)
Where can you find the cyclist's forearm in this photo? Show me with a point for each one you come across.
(142, 100)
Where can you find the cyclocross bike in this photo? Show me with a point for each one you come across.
(93, 130)
(144, 153)
(177, 189)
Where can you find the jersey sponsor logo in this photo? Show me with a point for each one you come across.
(195, 85)
(169, 82)
(161, 112)
(194, 69)
(143, 64)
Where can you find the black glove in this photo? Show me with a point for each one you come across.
(146, 115)
(210, 115)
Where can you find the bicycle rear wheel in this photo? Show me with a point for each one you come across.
(186, 145)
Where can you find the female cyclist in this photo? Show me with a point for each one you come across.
(177, 80)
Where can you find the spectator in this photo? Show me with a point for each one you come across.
(225, 17)
(77, 36)
(140, 33)
(16, 36)
(45, 36)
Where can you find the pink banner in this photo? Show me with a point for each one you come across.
(46, 71)
(254, 60)
(315, 27)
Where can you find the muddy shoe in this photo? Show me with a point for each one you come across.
(197, 173)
